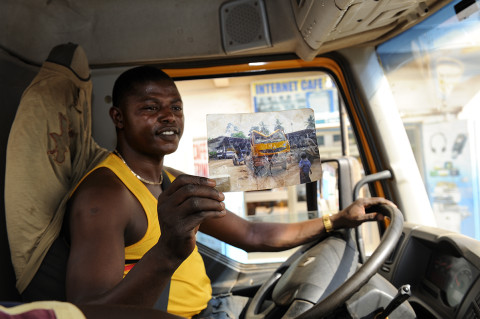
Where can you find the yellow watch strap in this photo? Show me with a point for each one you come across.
(327, 223)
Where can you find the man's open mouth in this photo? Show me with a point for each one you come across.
(168, 132)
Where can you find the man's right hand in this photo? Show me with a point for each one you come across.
(182, 208)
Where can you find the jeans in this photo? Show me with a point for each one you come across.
(224, 307)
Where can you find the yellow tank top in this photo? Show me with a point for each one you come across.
(190, 288)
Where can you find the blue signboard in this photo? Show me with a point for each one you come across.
(317, 93)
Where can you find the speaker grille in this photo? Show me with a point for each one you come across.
(244, 25)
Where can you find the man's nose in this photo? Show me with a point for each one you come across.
(166, 116)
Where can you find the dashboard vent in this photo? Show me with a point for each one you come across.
(474, 311)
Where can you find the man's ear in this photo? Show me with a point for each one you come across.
(117, 117)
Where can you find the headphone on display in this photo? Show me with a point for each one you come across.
(438, 143)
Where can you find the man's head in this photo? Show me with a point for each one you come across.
(129, 81)
(147, 111)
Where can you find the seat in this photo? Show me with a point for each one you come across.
(11, 94)
(21, 173)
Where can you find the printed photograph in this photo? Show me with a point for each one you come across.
(254, 151)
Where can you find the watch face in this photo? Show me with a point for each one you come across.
(327, 223)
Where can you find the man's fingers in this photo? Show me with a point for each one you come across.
(184, 179)
(192, 190)
(368, 202)
(373, 216)
(193, 221)
(371, 201)
(192, 187)
(189, 201)
(202, 205)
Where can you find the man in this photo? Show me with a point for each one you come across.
(305, 169)
(117, 254)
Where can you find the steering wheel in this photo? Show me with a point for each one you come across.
(301, 286)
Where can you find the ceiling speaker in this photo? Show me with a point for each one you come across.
(244, 25)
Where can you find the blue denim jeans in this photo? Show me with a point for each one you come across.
(224, 307)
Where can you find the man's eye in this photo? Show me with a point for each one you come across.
(177, 108)
(150, 107)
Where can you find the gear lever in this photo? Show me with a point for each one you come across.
(403, 294)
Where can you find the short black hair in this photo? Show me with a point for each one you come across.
(128, 80)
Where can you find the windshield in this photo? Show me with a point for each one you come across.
(277, 136)
(434, 73)
(280, 204)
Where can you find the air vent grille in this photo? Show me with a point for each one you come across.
(474, 311)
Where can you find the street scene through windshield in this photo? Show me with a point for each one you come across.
(434, 75)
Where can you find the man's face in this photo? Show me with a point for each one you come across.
(153, 118)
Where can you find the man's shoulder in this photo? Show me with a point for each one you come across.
(101, 183)
(103, 195)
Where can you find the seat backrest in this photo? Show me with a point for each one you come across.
(15, 76)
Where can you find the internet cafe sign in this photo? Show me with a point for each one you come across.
(316, 92)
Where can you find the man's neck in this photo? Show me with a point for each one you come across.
(146, 168)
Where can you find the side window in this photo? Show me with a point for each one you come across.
(435, 81)
(263, 93)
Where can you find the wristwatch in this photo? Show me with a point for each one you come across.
(327, 223)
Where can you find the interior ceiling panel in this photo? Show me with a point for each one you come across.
(142, 31)
(363, 16)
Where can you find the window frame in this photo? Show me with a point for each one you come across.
(334, 65)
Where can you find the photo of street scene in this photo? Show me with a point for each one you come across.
(254, 151)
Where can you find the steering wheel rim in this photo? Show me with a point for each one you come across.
(351, 285)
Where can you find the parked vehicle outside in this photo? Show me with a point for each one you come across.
(269, 150)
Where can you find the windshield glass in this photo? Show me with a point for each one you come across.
(287, 204)
(275, 137)
(434, 73)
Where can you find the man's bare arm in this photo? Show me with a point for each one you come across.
(252, 236)
(100, 220)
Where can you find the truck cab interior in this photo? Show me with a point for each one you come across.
(356, 62)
